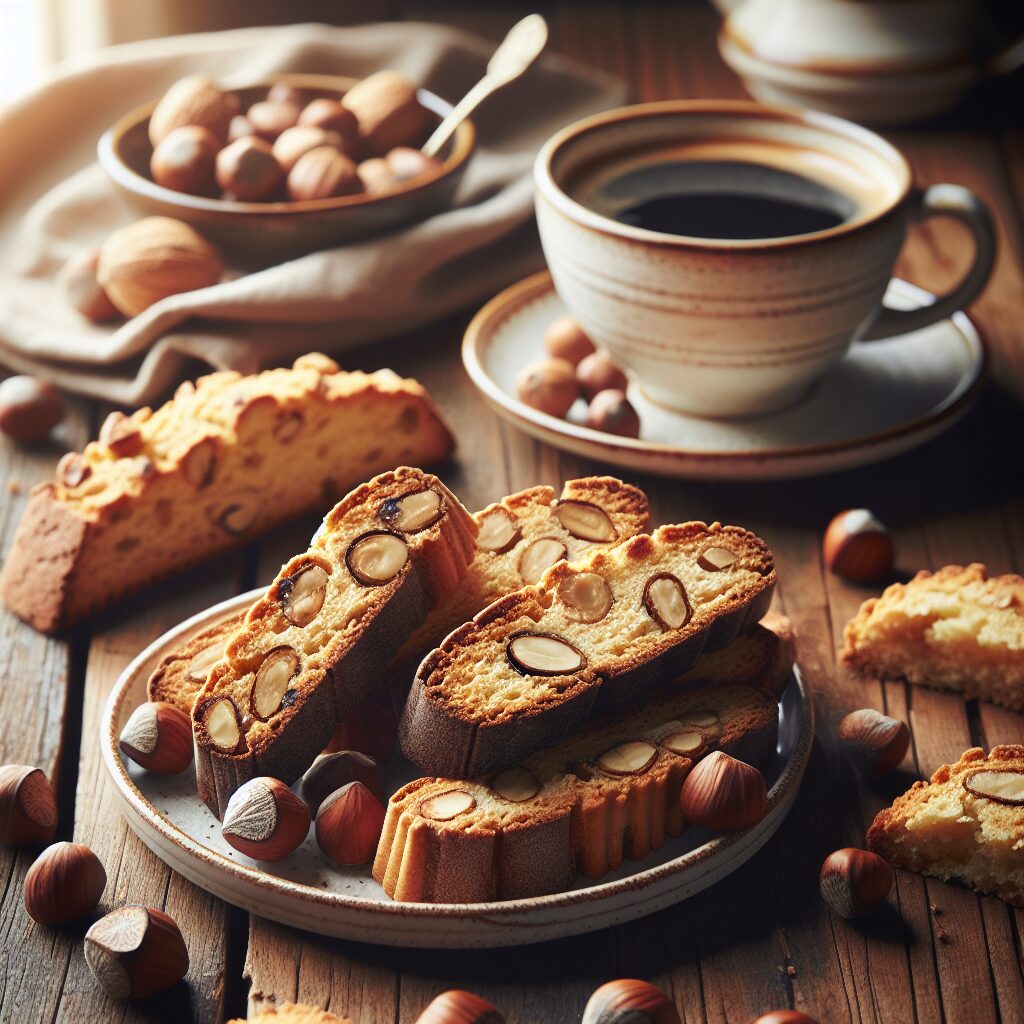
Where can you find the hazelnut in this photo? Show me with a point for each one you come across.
(723, 794)
(349, 823)
(629, 1001)
(407, 163)
(29, 409)
(135, 951)
(82, 288)
(185, 161)
(586, 596)
(370, 729)
(297, 141)
(146, 261)
(302, 594)
(120, 435)
(269, 118)
(240, 128)
(538, 556)
(333, 116)
(72, 469)
(459, 1007)
(194, 100)
(498, 530)
(666, 601)
(543, 654)
(265, 820)
(413, 512)
(284, 92)
(158, 737)
(272, 681)
(65, 883)
(387, 111)
(223, 725)
(785, 1017)
(330, 772)
(854, 881)
(323, 173)
(597, 372)
(858, 547)
(549, 386)
(376, 558)
(28, 808)
(249, 171)
(612, 413)
(874, 742)
(564, 339)
(376, 176)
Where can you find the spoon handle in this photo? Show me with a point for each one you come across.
(519, 50)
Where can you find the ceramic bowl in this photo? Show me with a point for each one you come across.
(266, 233)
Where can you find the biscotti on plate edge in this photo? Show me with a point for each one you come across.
(954, 629)
(966, 823)
(316, 645)
(160, 492)
(588, 640)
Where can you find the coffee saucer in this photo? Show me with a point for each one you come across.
(884, 398)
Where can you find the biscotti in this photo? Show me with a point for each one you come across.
(316, 644)
(610, 792)
(967, 823)
(523, 535)
(955, 629)
(222, 462)
(182, 674)
(588, 640)
(295, 1013)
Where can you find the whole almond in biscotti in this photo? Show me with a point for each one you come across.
(194, 100)
(388, 112)
(153, 258)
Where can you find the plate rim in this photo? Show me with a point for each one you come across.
(496, 913)
(511, 299)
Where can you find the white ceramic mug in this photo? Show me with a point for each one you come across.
(726, 327)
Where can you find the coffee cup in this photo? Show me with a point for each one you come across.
(729, 253)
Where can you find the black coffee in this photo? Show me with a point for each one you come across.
(729, 199)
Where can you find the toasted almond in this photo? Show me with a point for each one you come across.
(271, 682)
(446, 806)
(684, 742)
(1001, 785)
(585, 520)
(498, 531)
(715, 559)
(665, 598)
(587, 596)
(516, 785)
(543, 654)
(700, 719)
(628, 758)
(199, 667)
(302, 595)
(414, 512)
(539, 556)
(222, 724)
(375, 558)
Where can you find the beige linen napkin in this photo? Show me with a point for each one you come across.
(54, 199)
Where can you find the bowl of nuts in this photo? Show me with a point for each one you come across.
(289, 165)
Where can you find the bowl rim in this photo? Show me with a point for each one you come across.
(548, 189)
(116, 168)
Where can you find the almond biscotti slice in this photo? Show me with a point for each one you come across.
(294, 1013)
(967, 823)
(316, 644)
(222, 462)
(182, 674)
(523, 535)
(587, 640)
(955, 629)
(581, 807)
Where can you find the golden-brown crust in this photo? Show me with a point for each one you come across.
(583, 820)
(295, 1013)
(444, 736)
(82, 546)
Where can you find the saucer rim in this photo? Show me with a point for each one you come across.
(509, 301)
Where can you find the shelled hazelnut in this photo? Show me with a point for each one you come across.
(387, 111)
(79, 281)
(194, 100)
(853, 881)
(549, 386)
(630, 1001)
(265, 820)
(240, 128)
(299, 140)
(460, 1007)
(29, 409)
(565, 339)
(269, 118)
(597, 372)
(135, 952)
(407, 164)
(65, 883)
(349, 823)
(612, 413)
(248, 170)
(874, 742)
(185, 160)
(158, 737)
(323, 173)
(285, 92)
(333, 116)
(28, 807)
(858, 547)
(376, 176)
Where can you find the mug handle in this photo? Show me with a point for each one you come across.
(963, 205)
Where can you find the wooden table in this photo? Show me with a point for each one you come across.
(762, 939)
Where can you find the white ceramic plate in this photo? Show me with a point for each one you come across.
(885, 397)
(306, 891)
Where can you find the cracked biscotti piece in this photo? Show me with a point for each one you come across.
(316, 644)
(582, 806)
(222, 462)
(967, 823)
(181, 674)
(955, 629)
(588, 640)
(295, 1013)
(520, 537)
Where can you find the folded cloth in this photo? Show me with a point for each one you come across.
(329, 300)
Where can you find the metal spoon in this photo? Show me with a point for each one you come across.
(518, 50)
